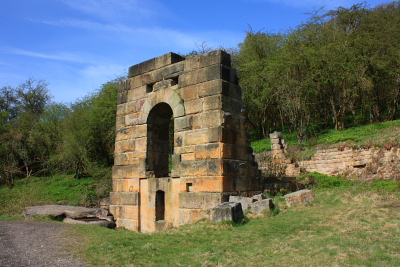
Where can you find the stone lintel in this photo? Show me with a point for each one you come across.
(154, 63)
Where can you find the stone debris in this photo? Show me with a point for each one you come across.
(255, 204)
(101, 222)
(301, 197)
(227, 211)
(73, 214)
(259, 206)
(244, 201)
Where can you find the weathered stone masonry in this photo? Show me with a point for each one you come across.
(212, 158)
(361, 164)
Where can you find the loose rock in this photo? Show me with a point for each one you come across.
(227, 211)
(301, 197)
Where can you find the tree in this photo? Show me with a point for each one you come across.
(254, 63)
(20, 108)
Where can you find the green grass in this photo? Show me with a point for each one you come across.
(377, 134)
(343, 227)
(59, 189)
(317, 180)
(261, 145)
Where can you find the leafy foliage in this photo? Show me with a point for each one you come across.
(339, 68)
(40, 137)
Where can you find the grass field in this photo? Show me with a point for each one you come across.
(343, 227)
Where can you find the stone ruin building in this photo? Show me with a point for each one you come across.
(187, 113)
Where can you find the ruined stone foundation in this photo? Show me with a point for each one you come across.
(190, 108)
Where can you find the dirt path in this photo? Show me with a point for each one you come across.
(26, 243)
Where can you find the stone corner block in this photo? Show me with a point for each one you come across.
(259, 206)
(124, 198)
(301, 197)
(227, 211)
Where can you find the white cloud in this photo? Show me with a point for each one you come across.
(116, 10)
(60, 56)
(100, 74)
(87, 25)
(154, 36)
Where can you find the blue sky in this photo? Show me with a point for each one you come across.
(77, 45)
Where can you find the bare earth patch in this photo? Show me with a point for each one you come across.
(31, 243)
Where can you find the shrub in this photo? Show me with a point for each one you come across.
(385, 185)
(319, 180)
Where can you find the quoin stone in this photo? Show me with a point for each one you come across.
(181, 147)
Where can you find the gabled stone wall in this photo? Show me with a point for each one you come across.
(212, 158)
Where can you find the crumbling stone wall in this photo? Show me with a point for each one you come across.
(362, 164)
(212, 158)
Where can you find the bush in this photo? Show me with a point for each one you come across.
(319, 180)
(385, 185)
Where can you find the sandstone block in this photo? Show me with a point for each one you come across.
(124, 85)
(208, 151)
(120, 122)
(195, 137)
(227, 211)
(244, 201)
(167, 72)
(124, 146)
(131, 185)
(117, 185)
(183, 123)
(213, 102)
(188, 156)
(155, 63)
(121, 109)
(194, 106)
(136, 93)
(259, 197)
(205, 74)
(207, 59)
(275, 135)
(215, 87)
(192, 215)
(261, 205)
(124, 198)
(124, 133)
(129, 224)
(122, 97)
(301, 197)
(199, 200)
(190, 92)
(212, 118)
(63, 210)
(204, 184)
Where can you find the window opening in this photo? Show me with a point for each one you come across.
(160, 205)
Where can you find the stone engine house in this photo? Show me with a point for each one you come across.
(186, 113)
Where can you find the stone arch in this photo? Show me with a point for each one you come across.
(158, 140)
(166, 95)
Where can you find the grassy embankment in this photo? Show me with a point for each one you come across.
(59, 189)
(386, 134)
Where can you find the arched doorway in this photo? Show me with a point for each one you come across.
(159, 140)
